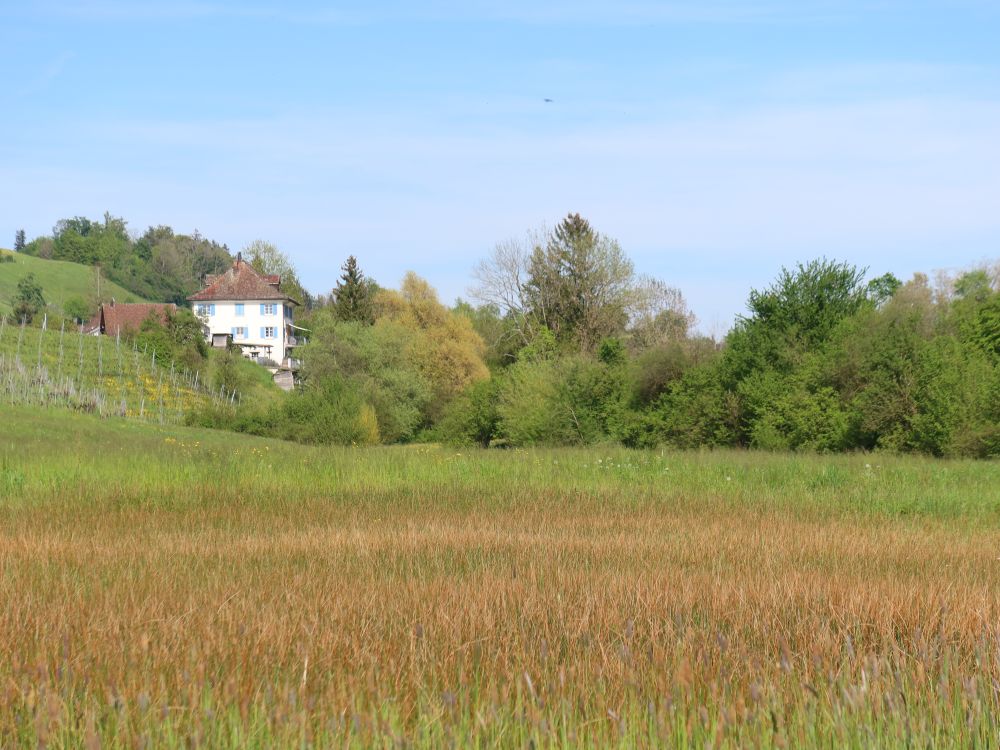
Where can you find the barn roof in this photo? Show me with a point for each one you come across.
(117, 317)
(240, 281)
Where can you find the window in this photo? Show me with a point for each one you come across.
(268, 308)
(203, 310)
(239, 308)
(240, 332)
(268, 332)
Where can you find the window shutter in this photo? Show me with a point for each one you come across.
(261, 308)
(262, 332)
(232, 332)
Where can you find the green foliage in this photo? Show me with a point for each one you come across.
(159, 265)
(498, 332)
(29, 300)
(562, 401)
(327, 412)
(367, 426)
(796, 314)
(655, 369)
(473, 418)
(353, 299)
(696, 410)
(579, 284)
(803, 418)
(987, 331)
(178, 338)
(19, 241)
(228, 375)
(375, 359)
(611, 352)
(77, 309)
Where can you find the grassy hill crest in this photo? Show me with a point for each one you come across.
(60, 281)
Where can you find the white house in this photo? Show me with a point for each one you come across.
(250, 310)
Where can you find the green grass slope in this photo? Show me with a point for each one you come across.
(64, 369)
(60, 281)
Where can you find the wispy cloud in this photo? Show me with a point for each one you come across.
(520, 11)
(47, 74)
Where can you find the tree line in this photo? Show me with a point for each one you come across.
(157, 265)
(563, 343)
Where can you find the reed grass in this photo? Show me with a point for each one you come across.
(165, 587)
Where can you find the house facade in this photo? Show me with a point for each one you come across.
(249, 310)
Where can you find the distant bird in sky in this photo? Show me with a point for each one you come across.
(549, 101)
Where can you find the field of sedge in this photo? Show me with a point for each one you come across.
(167, 587)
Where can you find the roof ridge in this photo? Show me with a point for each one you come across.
(241, 281)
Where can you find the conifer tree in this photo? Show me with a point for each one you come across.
(352, 297)
(19, 241)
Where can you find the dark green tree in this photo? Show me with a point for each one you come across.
(580, 284)
(19, 241)
(353, 295)
(28, 301)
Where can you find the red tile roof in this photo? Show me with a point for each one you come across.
(114, 318)
(240, 281)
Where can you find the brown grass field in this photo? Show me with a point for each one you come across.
(165, 587)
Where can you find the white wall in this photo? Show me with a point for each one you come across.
(225, 319)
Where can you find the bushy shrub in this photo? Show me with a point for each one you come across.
(472, 418)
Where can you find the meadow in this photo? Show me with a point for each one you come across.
(163, 587)
(60, 281)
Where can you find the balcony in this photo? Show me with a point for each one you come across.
(291, 341)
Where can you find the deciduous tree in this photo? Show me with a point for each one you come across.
(28, 301)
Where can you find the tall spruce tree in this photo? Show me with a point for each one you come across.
(352, 297)
(580, 284)
(19, 241)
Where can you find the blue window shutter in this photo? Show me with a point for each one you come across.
(213, 310)
(262, 331)
(261, 308)
(232, 332)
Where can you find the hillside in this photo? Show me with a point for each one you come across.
(60, 281)
(68, 370)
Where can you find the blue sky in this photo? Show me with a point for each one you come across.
(717, 140)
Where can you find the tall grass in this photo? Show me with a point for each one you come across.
(170, 587)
